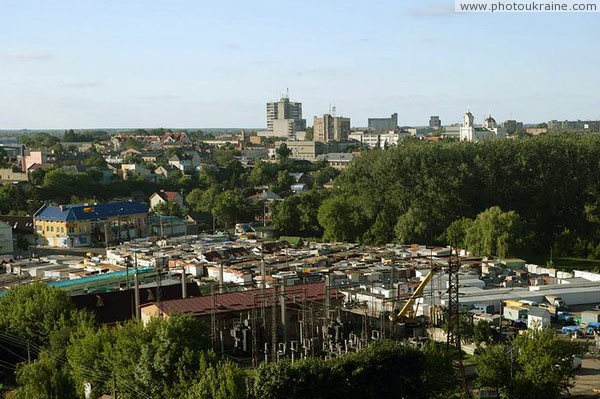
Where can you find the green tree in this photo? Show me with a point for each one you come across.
(229, 207)
(219, 379)
(496, 233)
(494, 368)
(263, 173)
(283, 152)
(44, 378)
(283, 183)
(169, 208)
(342, 219)
(538, 364)
(310, 133)
(34, 311)
(195, 200)
(456, 233)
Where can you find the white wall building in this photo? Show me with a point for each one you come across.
(6, 238)
(489, 130)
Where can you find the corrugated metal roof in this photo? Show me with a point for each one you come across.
(98, 278)
(90, 212)
(245, 300)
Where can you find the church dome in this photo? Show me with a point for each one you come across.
(490, 123)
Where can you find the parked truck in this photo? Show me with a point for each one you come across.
(565, 318)
(556, 301)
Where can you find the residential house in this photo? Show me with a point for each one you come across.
(163, 196)
(175, 139)
(41, 158)
(151, 157)
(78, 146)
(302, 177)
(85, 225)
(134, 170)
(9, 175)
(22, 226)
(185, 162)
(166, 172)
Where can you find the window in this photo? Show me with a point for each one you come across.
(71, 230)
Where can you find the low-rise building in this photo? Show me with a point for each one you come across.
(85, 225)
(538, 318)
(134, 170)
(6, 239)
(337, 160)
(163, 196)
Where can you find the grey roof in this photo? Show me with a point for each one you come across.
(538, 312)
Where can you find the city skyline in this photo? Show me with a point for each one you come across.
(138, 64)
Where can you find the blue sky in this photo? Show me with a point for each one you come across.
(194, 63)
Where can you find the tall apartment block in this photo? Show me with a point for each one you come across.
(331, 128)
(284, 118)
(390, 123)
(435, 122)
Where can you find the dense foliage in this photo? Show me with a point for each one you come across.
(414, 191)
(538, 364)
(387, 369)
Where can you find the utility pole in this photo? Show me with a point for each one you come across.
(115, 389)
(183, 283)
(105, 234)
(274, 325)
(453, 339)
(283, 313)
(137, 288)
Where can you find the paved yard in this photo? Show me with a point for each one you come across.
(586, 379)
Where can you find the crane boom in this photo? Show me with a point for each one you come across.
(408, 304)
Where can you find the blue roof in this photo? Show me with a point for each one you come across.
(90, 212)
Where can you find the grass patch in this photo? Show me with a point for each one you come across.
(567, 264)
(570, 264)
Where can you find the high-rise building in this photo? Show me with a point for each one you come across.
(390, 123)
(284, 117)
(435, 122)
(331, 128)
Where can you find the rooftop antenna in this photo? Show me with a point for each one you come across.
(287, 93)
(333, 110)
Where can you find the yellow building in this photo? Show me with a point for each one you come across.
(88, 225)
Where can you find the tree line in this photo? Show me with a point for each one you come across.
(414, 191)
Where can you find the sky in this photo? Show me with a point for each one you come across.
(196, 63)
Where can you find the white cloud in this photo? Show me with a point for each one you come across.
(30, 56)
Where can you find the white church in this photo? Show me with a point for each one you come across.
(489, 130)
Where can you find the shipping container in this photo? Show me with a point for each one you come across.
(590, 316)
(514, 313)
(484, 308)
